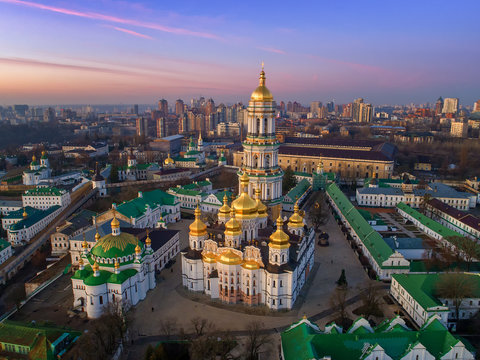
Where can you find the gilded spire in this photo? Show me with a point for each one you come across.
(296, 220)
(138, 249)
(262, 93)
(115, 223)
(148, 241)
(279, 239)
(232, 227)
(117, 265)
(97, 235)
(198, 227)
(25, 215)
(84, 244)
(95, 267)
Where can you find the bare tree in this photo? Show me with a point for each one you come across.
(455, 286)
(201, 325)
(257, 340)
(168, 326)
(338, 301)
(371, 298)
(465, 248)
(16, 294)
(317, 213)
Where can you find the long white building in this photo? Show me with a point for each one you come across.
(44, 197)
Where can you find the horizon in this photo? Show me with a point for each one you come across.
(123, 52)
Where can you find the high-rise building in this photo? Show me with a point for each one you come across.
(330, 107)
(161, 127)
(450, 106)
(315, 107)
(20, 110)
(365, 113)
(179, 107)
(142, 126)
(356, 109)
(163, 107)
(476, 106)
(347, 111)
(260, 149)
(459, 129)
(49, 115)
(439, 106)
(135, 109)
(209, 107)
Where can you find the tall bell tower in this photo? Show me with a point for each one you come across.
(260, 157)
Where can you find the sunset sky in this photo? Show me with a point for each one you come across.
(105, 51)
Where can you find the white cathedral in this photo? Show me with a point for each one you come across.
(242, 258)
(38, 171)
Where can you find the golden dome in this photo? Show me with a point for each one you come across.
(262, 93)
(34, 158)
(225, 209)
(261, 207)
(296, 220)
(244, 205)
(97, 236)
(244, 180)
(279, 240)
(210, 258)
(230, 258)
(138, 249)
(84, 244)
(95, 266)
(80, 262)
(198, 227)
(251, 265)
(168, 160)
(117, 265)
(25, 215)
(44, 153)
(232, 226)
(115, 223)
(148, 241)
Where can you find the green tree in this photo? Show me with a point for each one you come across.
(289, 180)
(342, 280)
(455, 286)
(114, 174)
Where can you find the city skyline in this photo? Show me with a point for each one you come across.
(136, 52)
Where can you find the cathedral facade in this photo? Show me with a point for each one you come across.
(245, 257)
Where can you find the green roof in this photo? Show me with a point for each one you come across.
(105, 276)
(111, 246)
(187, 192)
(4, 244)
(34, 216)
(372, 240)
(43, 342)
(45, 191)
(192, 152)
(177, 159)
(429, 223)
(304, 341)
(204, 183)
(418, 266)
(297, 191)
(136, 207)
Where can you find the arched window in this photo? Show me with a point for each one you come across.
(258, 126)
(265, 126)
(276, 258)
(255, 161)
(283, 258)
(194, 244)
(267, 161)
(248, 292)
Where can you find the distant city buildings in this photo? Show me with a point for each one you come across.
(459, 129)
(450, 106)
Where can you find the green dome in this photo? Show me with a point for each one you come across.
(111, 246)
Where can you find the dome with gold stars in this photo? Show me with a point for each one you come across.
(116, 246)
(261, 93)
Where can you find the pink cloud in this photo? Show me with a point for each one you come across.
(271, 49)
(114, 19)
(131, 32)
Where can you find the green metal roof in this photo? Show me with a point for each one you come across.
(105, 276)
(429, 223)
(304, 342)
(187, 192)
(372, 240)
(34, 216)
(136, 207)
(4, 244)
(297, 191)
(111, 246)
(422, 287)
(45, 191)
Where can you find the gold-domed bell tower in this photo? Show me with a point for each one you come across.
(198, 232)
(224, 211)
(279, 245)
(233, 232)
(295, 222)
(260, 158)
(246, 211)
